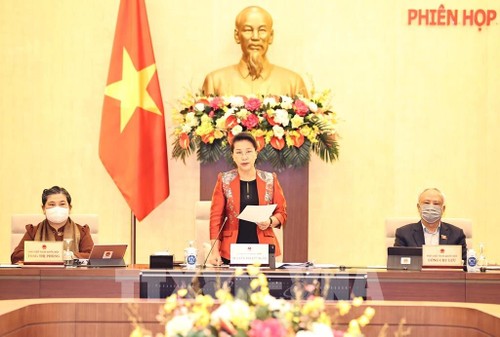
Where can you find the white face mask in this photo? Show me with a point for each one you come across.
(431, 213)
(57, 214)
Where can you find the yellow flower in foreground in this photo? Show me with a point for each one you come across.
(314, 307)
(241, 314)
(363, 320)
(223, 295)
(343, 307)
(253, 269)
(353, 328)
(369, 312)
(254, 284)
(262, 280)
(324, 319)
(357, 301)
(137, 332)
(239, 271)
(170, 303)
(205, 301)
(182, 292)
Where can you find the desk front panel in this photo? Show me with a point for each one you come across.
(448, 286)
(483, 287)
(89, 282)
(16, 283)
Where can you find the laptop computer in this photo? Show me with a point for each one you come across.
(107, 255)
(404, 258)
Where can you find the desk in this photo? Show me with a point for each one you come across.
(18, 283)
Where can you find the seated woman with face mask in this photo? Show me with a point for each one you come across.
(56, 205)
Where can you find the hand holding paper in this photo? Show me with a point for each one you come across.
(257, 213)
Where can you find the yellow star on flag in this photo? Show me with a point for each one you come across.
(132, 90)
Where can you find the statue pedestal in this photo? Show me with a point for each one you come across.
(295, 184)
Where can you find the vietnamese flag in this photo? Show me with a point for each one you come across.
(133, 145)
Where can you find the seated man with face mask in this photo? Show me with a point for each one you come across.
(430, 230)
(56, 205)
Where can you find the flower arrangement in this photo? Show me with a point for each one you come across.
(286, 129)
(253, 312)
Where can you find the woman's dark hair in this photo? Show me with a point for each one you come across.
(244, 136)
(55, 190)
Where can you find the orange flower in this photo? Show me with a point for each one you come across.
(231, 122)
(270, 120)
(297, 139)
(230, 137)
(261, 142)
(184, 140)
(277, 143)
(208, 138)
(204, 101)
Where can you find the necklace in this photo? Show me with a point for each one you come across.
(248, 191)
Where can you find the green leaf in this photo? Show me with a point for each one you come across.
(210, 153)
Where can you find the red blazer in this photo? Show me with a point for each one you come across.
(226, 203)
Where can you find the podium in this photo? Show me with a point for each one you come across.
(282, 283)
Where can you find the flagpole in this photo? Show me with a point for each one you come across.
(133, 222)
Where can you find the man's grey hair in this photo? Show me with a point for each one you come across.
(432, 189)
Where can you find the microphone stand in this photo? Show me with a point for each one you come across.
(213, 244)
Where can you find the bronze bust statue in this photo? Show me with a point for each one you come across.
(254, 74)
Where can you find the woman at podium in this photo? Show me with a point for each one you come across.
(237, 189)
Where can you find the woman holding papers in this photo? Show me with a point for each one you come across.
(56, 205)
(237, 189)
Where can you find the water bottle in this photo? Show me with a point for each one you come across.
(481, 261)
(190, 255)
(471, 261)
(68, 258)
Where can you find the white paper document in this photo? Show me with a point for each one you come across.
(257, 213)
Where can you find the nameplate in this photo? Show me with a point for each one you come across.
(49, 252)
(442, 256)
(246, 253)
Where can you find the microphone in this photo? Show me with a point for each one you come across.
(213, 244)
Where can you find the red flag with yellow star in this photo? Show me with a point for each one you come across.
(132, 144)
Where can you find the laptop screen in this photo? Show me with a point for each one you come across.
(404, 258)
(108, 255)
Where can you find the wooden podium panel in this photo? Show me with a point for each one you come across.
(282, 283)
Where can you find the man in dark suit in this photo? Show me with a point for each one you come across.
(430, 230)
